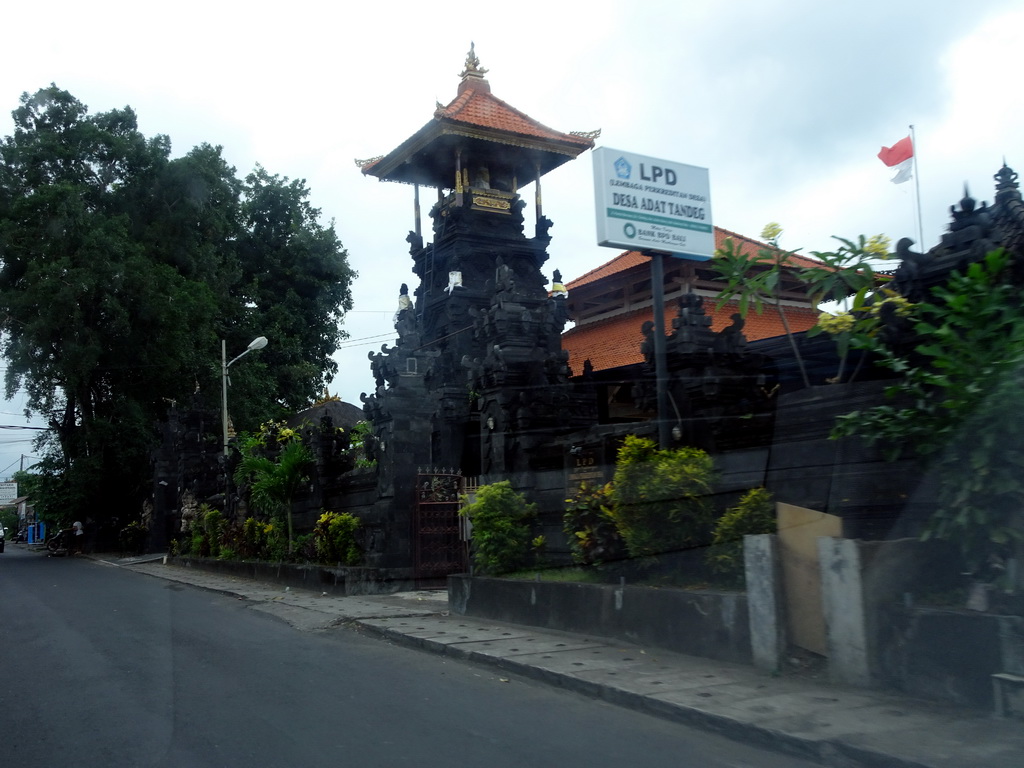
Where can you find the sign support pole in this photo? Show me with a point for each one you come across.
(659, 208)
(660, 362)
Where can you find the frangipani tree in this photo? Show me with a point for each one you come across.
(755, 280)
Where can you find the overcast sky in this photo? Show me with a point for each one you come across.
(786, 102)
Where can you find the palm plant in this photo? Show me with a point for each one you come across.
(273, 485)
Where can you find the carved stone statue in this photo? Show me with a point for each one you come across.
(731, 340)
(544, 225)
(647, 345)
(908, 276)
(504, 278)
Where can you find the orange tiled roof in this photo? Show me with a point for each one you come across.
(629, 259)
(477, 106)
(476, 115)
(616, 341)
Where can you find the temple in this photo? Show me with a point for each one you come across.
(483, 385)
(477, 382)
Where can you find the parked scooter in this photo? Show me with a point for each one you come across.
(59, 545)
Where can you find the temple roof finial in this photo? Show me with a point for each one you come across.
(473, 68)
(968, 203)
(1006, 179)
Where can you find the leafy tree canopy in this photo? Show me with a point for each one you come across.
(121, 268)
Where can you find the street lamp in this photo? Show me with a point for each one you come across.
(258, 343)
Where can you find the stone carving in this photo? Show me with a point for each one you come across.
(504, 278)
(909, 275)
(693, 332)
(730, 340)
(415, 243)
(544, 225)
(647, 345)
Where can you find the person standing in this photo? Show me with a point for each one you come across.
(77, 538)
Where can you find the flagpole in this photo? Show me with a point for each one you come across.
(917, 189)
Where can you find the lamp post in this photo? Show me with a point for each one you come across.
(258, 343)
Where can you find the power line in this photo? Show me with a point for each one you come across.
(4, 470)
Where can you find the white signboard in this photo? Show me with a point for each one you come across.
(649, 204)
(8, 492)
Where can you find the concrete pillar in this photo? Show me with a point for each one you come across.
(765, 603)
(842, 595)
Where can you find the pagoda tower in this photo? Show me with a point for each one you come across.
(478, 374)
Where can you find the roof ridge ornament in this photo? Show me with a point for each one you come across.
(1006, 178)
(967, 203)
(473, 68)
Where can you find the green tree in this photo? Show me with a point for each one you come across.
(758, 279)
(962, 388)
(33, 485)
(771, 274)
(28, 483)
(294, 288)
(120, 271)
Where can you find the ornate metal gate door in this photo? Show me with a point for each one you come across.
(437, 546)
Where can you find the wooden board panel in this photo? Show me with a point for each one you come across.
(799, 530)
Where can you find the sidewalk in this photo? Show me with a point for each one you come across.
(806, 718)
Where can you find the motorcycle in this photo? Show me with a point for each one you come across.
(59, 545)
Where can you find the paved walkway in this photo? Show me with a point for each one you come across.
(807, 718)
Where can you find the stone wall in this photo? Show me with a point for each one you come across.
(697, 622)
(876, 498)
(318, 578)
(882, 633)
(952, 655)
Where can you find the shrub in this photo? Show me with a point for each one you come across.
(361, 444)
(589, 525)
(501, 529)
(205, 532)
(213, 524)
(336, 539)
(660, 497)
(754, 514)
(255, 536)
(276, 550)
(303, 549)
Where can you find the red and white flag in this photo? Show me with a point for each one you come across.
(901, 157)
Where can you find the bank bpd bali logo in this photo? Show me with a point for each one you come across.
(623, 170)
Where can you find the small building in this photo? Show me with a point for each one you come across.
(612, 306)
(610, 303)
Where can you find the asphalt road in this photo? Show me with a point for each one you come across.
(101, 666)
